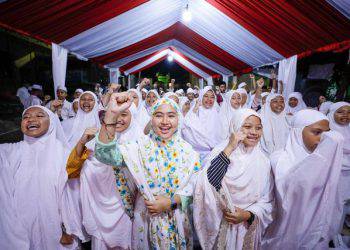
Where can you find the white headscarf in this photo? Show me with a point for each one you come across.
(344, 130)
(169, 94)
(301, 104)
(242, 92)
(203, 130)
(324, 108)
(306, 188)
(75, 127)
(141, 114)
(247, 184)
(104, 214)
(148, 108)
(227, 112)
(275, 126)
(33, 174)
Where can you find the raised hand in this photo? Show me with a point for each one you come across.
(88, 135)
(144, 82)
(197, 105)
(251, 76)
(273, 74)
(260, 83)
(234, 140)
(119, 102)
(114, 88)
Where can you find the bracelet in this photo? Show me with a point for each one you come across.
(173, 204)
(108, 124)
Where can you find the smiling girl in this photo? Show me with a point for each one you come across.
(163, 167)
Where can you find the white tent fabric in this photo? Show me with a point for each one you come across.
(59, 66)
(114, 75)
(132, 26)
(136, 26)
(342, 6)
(231, 36)
(287, 72)
(176, 57)
(182, 48)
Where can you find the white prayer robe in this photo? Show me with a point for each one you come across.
(32, 179)
(247, 184)
(306, 189)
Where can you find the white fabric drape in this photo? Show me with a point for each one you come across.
(134, 26)
(231, 36)
(59, 66)
(210, 81)
(182, 48)
(128, 28)
(201, 83)
(342, 6)
(114, 75)
(287, 72)
(176, 57)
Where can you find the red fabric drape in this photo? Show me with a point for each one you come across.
(335, 47)
(140, 60)
(57, 21)
(289, 27)
(179, 32)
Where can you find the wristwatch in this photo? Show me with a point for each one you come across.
(173, 204)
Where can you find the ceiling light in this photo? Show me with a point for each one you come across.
(170, 58)
(186, 15)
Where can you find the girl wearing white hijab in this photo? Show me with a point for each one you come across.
(185, 105)
(142, 116)
(32, 180)
(276, 128)
(151, 97)
(245, 97)
(107, 193)
(295, 103)
(233, 195)
(306, 185)
(202, 127)
(339, 118)
(86, 117)
(173, 96)
(228, 109)
(324, 107)
(164, 168)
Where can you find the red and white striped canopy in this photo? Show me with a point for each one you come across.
(223, 37)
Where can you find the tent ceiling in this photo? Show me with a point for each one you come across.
(224, 36)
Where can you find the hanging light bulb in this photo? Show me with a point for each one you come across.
(186, 15)
(170, 58)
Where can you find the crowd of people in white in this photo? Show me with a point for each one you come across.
(148, 169)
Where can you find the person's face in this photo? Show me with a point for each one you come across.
(208, 99)
(190, 96)
(263, 100)
(135, 98)
(87, 102)
(243, 99)
(186, 107)
(322, 99)
(252, 127)
(77, 95)
(165, 121)
(123, 121)
(143, 95)
(174, 98)
(35, 122)
(61, 94)
(75, 106)
(293, 102)
(312, 134)
(97, 87)
(222, 88)
(277, 104)
(342, 116)
(236, 100)
(151, 98)
(172, 81)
